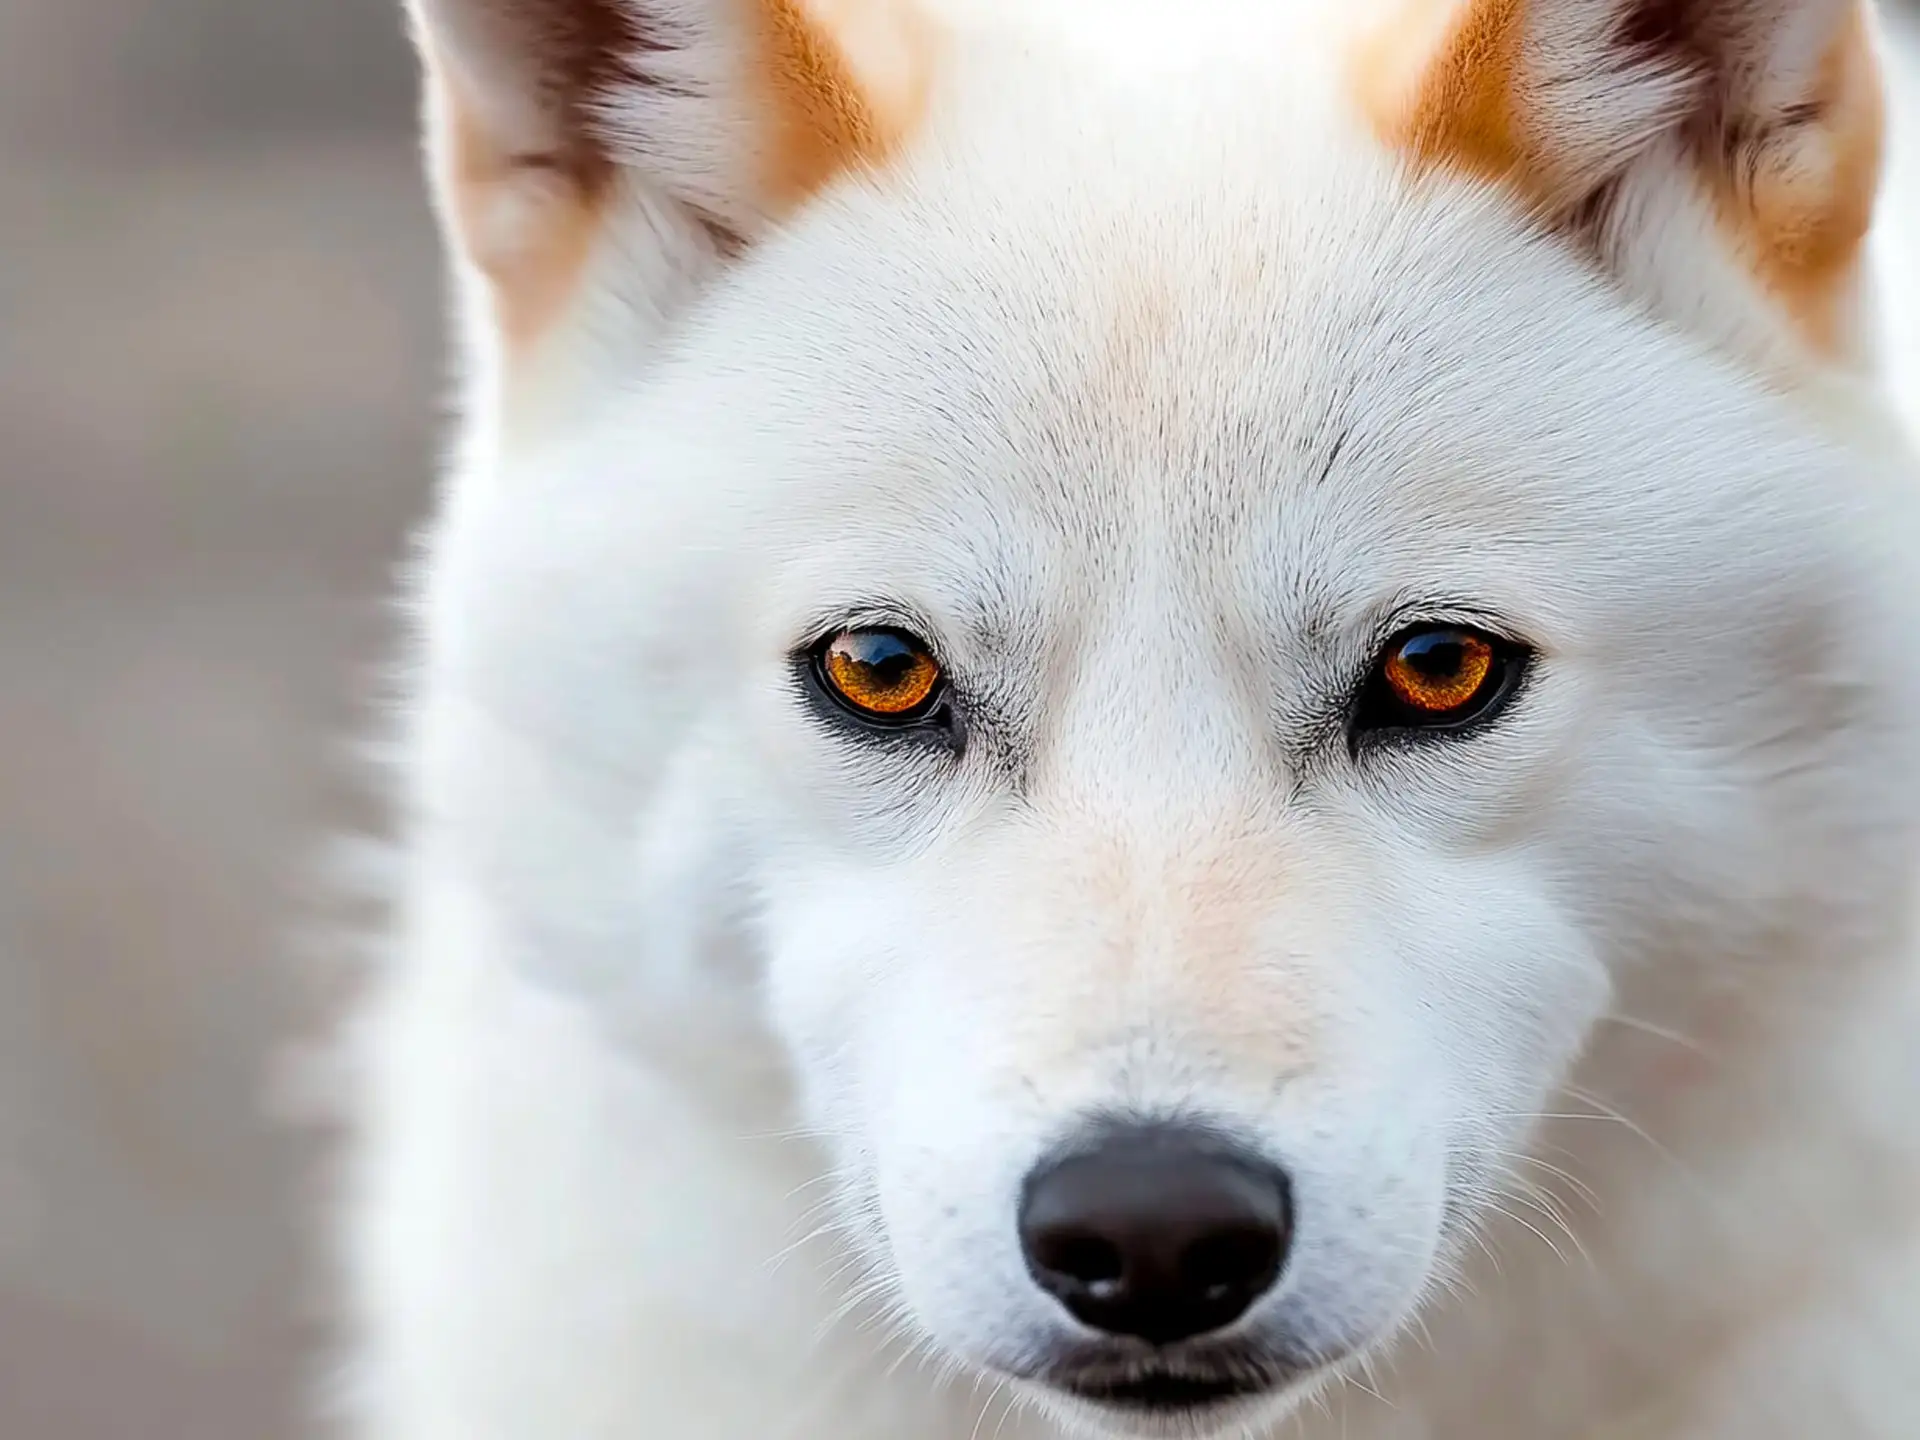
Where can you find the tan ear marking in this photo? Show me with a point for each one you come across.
(844, 81)
(521, 178)
(825, 120)
(530, 221)
(1797, 201)
(1552, 99)
(538, 108)
(1440, 82)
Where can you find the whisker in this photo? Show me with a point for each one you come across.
(992, 1395)
(1580, 1187)
(1659, 1032)
(1494, 1205)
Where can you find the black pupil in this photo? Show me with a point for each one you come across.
(1438, 654)
(888, 660)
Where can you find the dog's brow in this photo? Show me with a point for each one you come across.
(1330, 456)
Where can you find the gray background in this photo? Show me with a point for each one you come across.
(219, 362)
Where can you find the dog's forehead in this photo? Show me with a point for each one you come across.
(1294, 368)
(1129, 362)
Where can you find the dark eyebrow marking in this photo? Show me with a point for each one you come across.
(1333, 454)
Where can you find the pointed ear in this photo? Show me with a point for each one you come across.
(1721, 155)
(719, 116)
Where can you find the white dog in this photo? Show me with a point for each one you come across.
(1158, 718)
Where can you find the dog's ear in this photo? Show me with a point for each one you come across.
(1722, 156)
(713, 117)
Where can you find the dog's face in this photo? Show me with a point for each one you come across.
(1206, 645)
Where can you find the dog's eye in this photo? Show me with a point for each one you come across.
(880, 675)
(1438, 677)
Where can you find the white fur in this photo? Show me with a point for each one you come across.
(713, 1047)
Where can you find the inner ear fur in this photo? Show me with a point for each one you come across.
(728, 114)
(1766, 114)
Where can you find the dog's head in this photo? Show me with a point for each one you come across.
(1211, 583)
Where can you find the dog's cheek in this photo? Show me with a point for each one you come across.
(842, 942)
(816, 1006)
(1475, 987)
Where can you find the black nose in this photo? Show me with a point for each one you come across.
(1157, 1232)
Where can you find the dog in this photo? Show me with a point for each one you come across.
(1157, 720)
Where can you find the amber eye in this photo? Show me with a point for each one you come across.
(1439, 676)
(884, 675)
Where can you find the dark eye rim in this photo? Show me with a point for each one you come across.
(1378, 713)
(933, 712)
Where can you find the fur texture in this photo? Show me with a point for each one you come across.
(1155, 362)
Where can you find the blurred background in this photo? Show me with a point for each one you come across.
(219, 374)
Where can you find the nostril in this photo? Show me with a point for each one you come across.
(1157, 1232)
(1084, 1259)
(1242, 1257)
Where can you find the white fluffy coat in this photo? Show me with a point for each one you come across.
(711, 1048)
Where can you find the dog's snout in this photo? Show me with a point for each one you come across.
(1159, 1233)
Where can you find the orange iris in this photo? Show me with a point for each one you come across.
(1439, 670)
(880, 673)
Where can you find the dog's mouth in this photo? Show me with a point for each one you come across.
(1160, 1392)
(1170, 1388)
